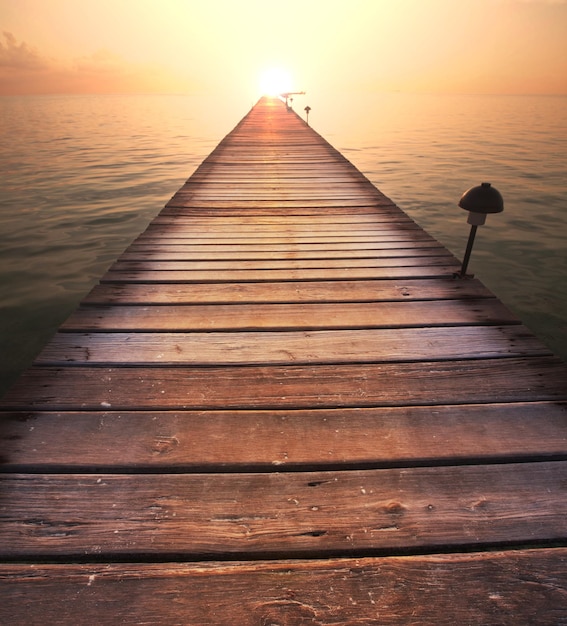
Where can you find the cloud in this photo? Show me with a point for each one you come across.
(25, 71)
(19, 56)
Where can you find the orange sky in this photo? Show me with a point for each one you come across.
(223, 46)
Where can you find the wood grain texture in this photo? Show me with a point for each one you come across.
(289, 292)
(182, 234)
(319, 221)
(293, 386)
(340, 225)
(282, 247)
(407, 268)
(302, 315)
(232, 205)
(494, 588)
(293, 513)
(296, 347)
(401, 256)
(281, 439)
(202, 253)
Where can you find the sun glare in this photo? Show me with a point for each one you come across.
(275, 81)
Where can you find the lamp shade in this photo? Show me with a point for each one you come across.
(482, 199)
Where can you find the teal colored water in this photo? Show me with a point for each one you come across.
(82, 176)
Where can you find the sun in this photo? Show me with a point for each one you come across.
(275, 81)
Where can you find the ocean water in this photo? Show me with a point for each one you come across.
(82, 176)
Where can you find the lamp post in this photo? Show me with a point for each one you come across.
(307, 109)
(478, 201)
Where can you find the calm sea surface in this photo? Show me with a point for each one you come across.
(81, 177)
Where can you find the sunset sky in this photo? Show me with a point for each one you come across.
(224, 46)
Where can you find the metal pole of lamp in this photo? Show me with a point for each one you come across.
(479, 202)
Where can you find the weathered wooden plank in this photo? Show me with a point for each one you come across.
(273, 184)
(292, 193)
(371, 213)
(274, 176)
(190, 237)
(301, 315)
(185, 229)
(408, 235)
(505, 588)
(217, 207)
(336, 198)
(318, 168)
(289, 292)
(390, 268)
(194, 236)
(303, 155)
(276, 248)
(239, 199)
(253, 440)
(202, 253)
(318, 221)
(270, 165)
(298, 347)
(287, 243)
(270, 182)
(373, 205)
(292, 386)
(316, 513)
(280, 264)
(235, 194)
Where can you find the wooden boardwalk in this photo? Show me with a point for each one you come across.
(279, 407)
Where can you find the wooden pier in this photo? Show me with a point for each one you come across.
(280, 407)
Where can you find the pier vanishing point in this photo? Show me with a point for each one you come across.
(279, 406)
